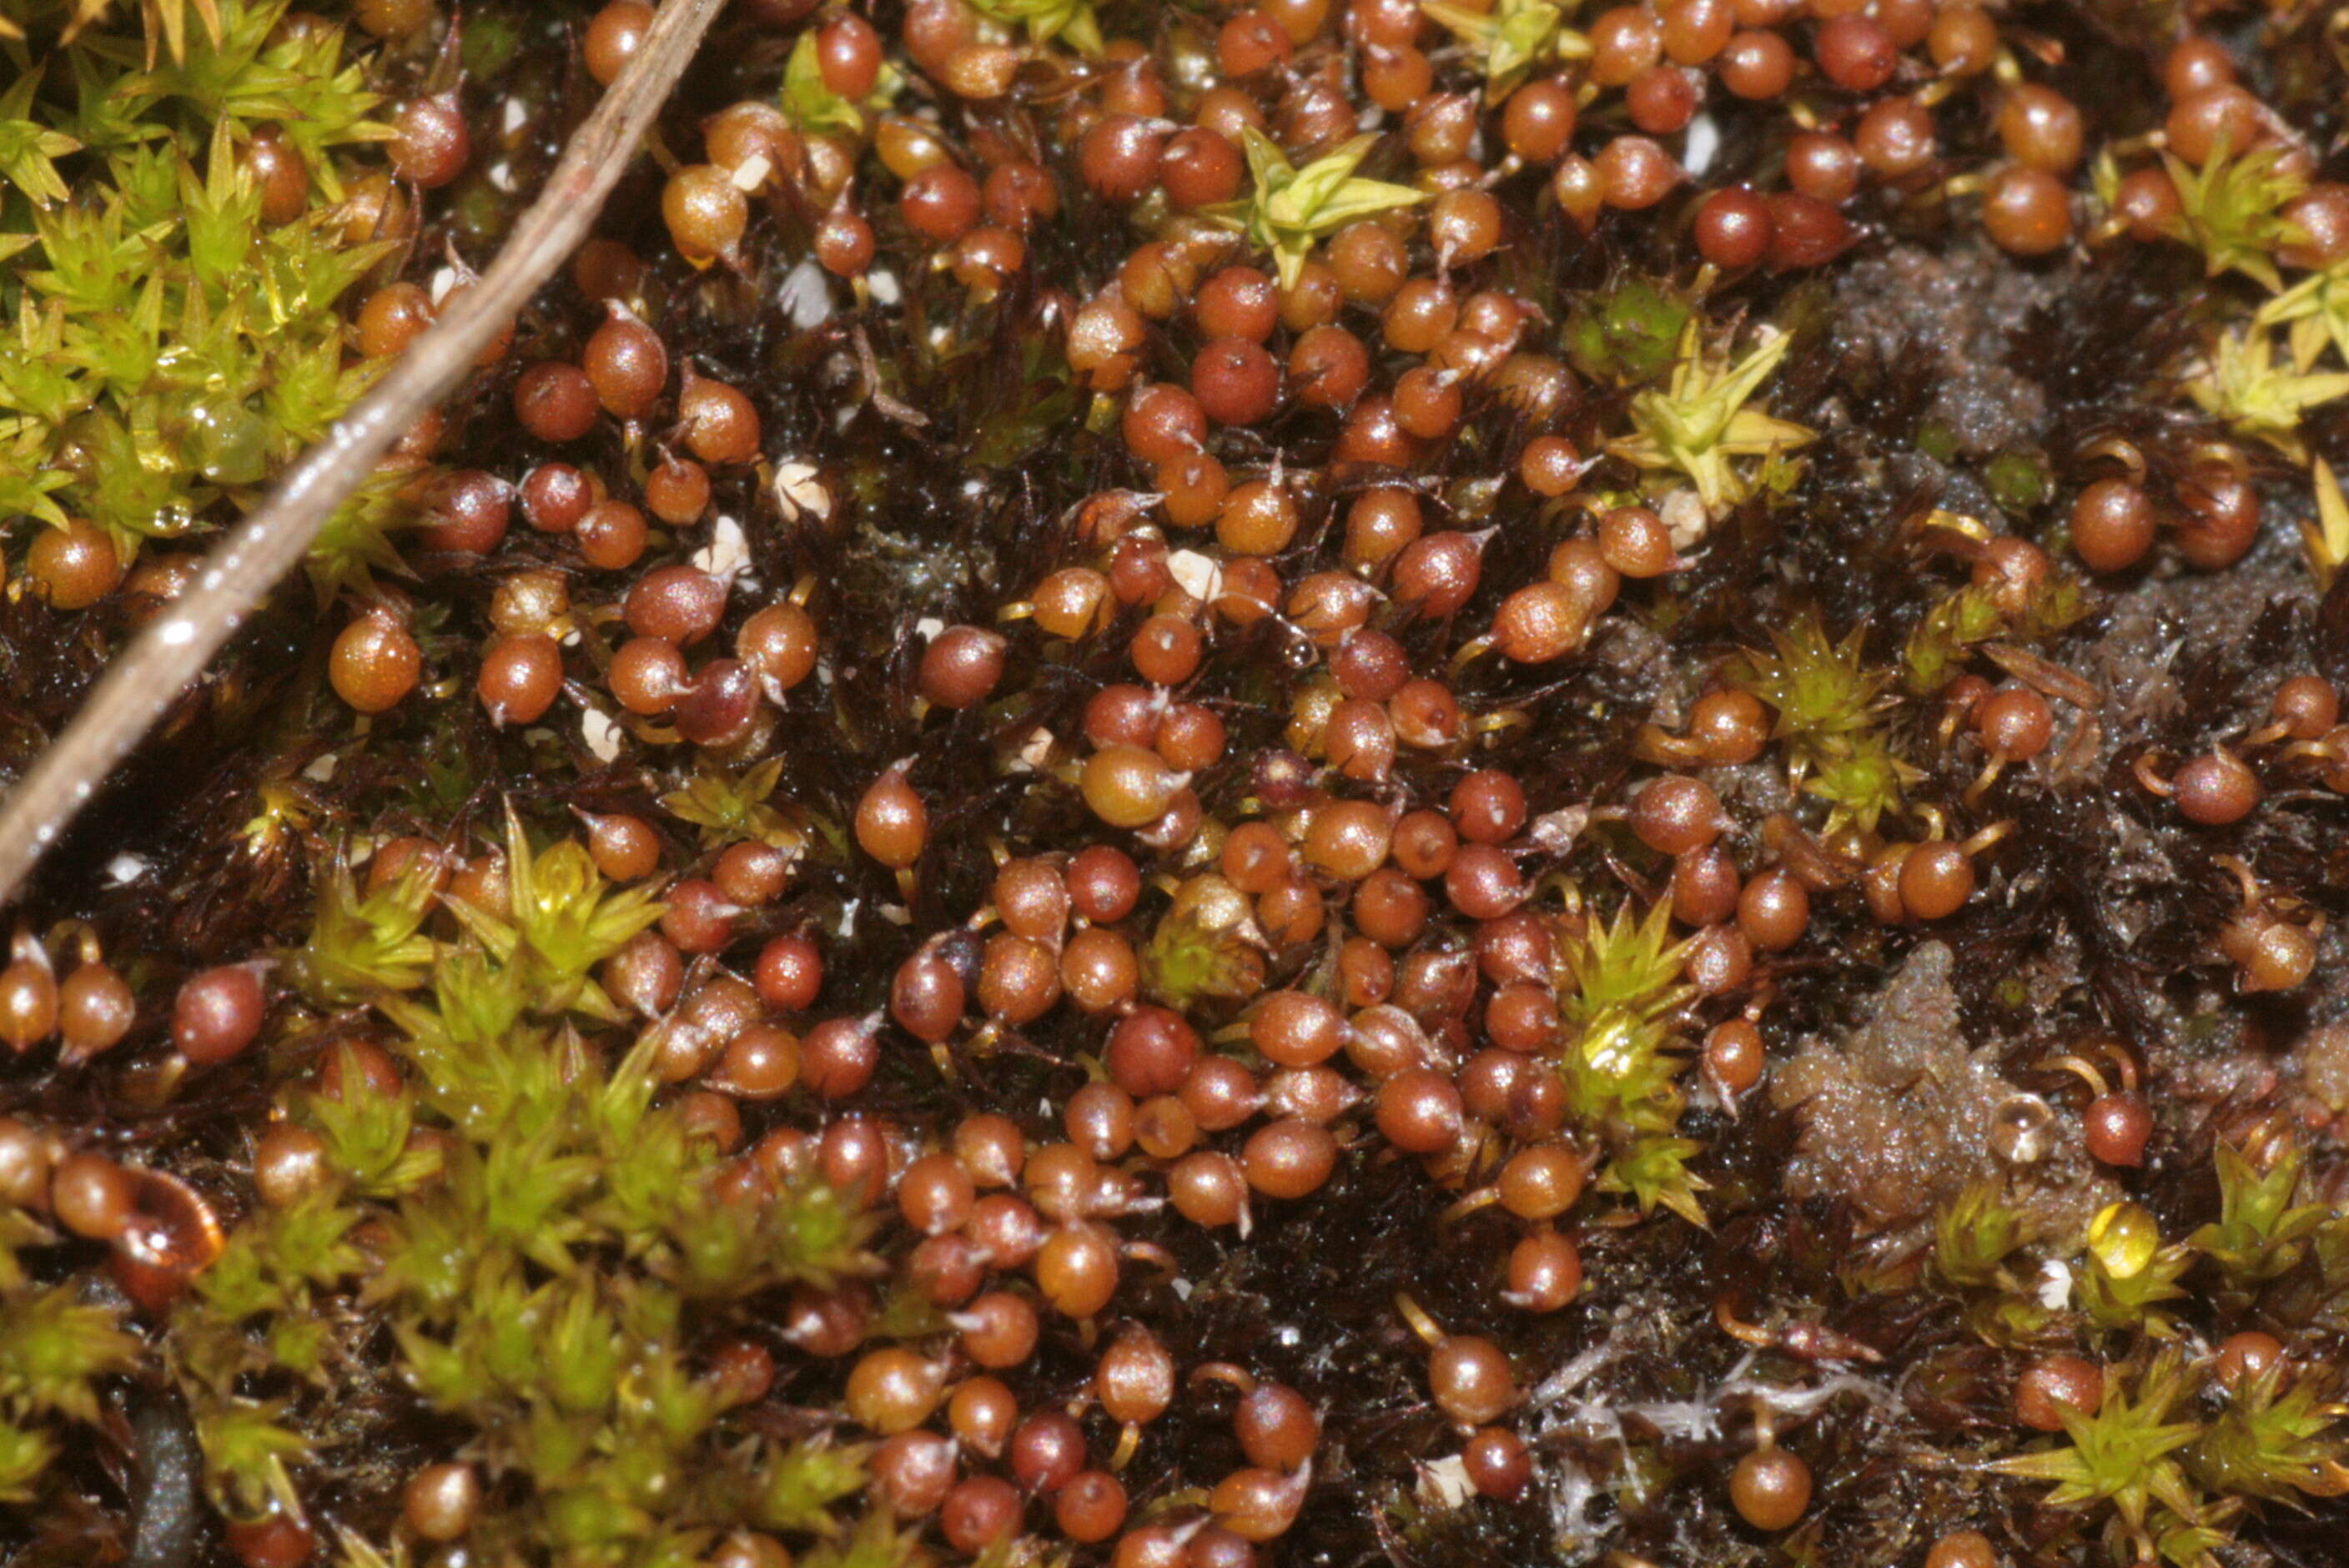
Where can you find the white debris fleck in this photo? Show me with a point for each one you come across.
(728, 553)
(125, 867)
(444, 279)
(602, 736)
(928, 626)
(805, 296)
(502, 175)
(1444, 1483)
(1034, 752)
(1685, 517)
(1554, 831)
(750, 173)
(323, 768)
(1703, 142)
(516, 114)
(2055, 1285)
(1197, 575)
(798, 490)
(882, 288)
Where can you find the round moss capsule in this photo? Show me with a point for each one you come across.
(1771, 1489)
(706, 212)
(2056, 1386)
(75, 566)
(218, 1013)
(373, 662)
(441, 1501)
(1127, 786)
(892, 824)
(1470, 1379)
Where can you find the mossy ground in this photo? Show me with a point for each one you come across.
(342, 1343)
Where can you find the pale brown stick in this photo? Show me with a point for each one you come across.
(144, 677)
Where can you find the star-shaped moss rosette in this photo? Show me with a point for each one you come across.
(29, 150)
(725, 805)
(2246, 384)
(2316, 310)
(1700, 420)
(1515, 37)
(2121, 1453)
(1290, 208)
(2267, 1218)
(1620, 1073)
(2277, 1439)
(1047, 20)
(563, 920)
(2231, 209)
(1832, 707)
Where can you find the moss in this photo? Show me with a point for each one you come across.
(543, 1236)
(54, 1351)
(1627, 333)
(1830, 707)
(1619, 1077)
(168, 350)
